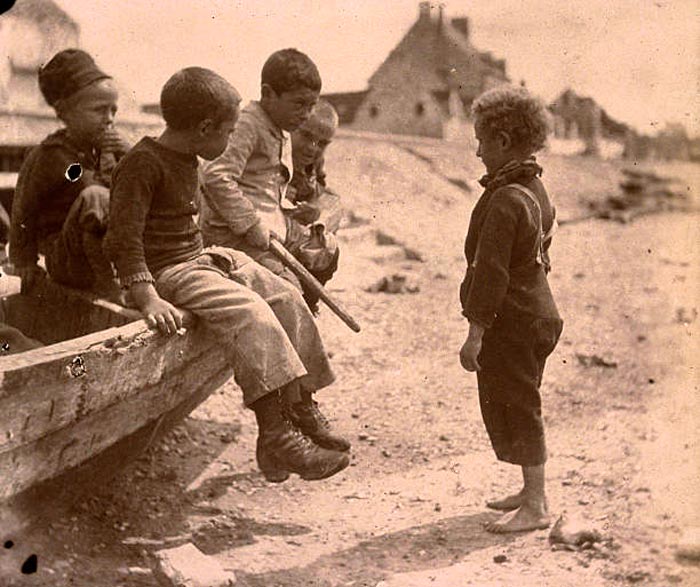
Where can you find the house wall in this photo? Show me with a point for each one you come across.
(29, 43)
(400, 109)
(431, 57)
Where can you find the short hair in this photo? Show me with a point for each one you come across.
(515, 111)
(195, 94)
(325, 114)
(288, 70)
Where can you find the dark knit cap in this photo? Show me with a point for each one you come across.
(67, 72)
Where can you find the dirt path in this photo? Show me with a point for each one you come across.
(621, 398)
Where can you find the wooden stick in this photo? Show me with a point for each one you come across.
(278, 249)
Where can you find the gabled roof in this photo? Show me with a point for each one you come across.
(443, 55)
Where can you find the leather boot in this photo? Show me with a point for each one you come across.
(311, 421)
(283, 449)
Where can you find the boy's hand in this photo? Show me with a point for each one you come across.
(471, 348)
(115, 142)
(30, 276)
(157, 312)
(258, 236)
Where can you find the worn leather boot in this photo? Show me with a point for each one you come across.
(311, 421)
(283, 449)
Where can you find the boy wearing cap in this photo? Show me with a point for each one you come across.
(61, 200)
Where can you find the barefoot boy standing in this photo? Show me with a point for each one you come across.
(514, 324)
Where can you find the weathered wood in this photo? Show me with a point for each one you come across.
(45, 396)
(70, 446)
(65, 404)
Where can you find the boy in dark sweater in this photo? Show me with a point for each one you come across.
(62, 198)
(262, 321)
(513, 320)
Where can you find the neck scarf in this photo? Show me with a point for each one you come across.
(512, 172)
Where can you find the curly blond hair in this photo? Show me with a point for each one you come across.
(515, 111)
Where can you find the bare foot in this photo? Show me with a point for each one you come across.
(512, 502)
(524, 519)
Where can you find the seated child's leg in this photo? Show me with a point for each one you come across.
(261, 353)
(297, 321)
(76, 258)
(292, 313)
(214, 236)
(263, 357)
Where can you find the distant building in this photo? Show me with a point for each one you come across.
(581, 118)
(426, 84)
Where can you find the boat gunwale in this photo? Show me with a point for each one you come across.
(137, 326)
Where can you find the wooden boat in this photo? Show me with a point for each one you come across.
(102, 388)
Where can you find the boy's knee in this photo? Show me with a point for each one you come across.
(95, 195)
(93, 208)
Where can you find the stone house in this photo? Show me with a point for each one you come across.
(426, 84)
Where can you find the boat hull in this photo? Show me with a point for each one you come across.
(76, 410)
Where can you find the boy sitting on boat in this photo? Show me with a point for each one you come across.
(62, 196)
(270, 335)
(312, 223)
(244, 189)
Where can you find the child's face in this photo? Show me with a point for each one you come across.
(310, 140)
(289, 110)
(90, 112)
(493, 150)
(213, 138)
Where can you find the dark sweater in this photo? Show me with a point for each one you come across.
(44, 195)
(503, 277)
(152, 204)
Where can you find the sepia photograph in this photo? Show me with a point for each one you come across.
(332, 293)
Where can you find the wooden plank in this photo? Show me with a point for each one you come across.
(39, 502)
(51, 396)
(68, 447)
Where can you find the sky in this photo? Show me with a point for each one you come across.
(639, 59)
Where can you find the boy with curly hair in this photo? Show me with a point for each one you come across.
(514, 324)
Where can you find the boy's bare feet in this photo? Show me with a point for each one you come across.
(507, 504)
(526, 518)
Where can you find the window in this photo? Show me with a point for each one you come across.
(374, 111)
(420, 109)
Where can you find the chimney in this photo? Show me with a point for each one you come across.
(441, 10)
(424, 11)
(462, 25)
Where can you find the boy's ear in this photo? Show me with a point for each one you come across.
(205, 126)
(266, 91)
(505, 141)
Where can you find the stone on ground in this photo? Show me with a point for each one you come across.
(187, 566)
